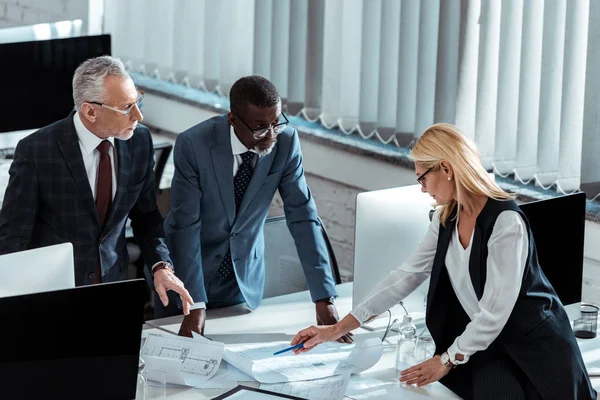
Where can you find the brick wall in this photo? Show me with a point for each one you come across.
(28, 12)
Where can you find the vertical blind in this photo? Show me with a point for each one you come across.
(509, 73)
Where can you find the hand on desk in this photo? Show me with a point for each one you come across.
(427, 372)
(165, 280)
(327, 315)
(193, 322)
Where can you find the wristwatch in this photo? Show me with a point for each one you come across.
(330, 300)
(445, 360)
(162, 265)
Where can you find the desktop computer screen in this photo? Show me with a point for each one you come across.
(35, 78)
(389, 225)
(37, 270)
(558, 227)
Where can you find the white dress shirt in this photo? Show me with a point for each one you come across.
(91, 155)
(507, 254)
(237, 148)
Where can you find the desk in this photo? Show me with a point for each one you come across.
(280, 318)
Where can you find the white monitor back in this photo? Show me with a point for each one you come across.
(38, 270)
(389, 225)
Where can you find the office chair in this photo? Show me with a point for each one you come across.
(283, 270)
(162, 151)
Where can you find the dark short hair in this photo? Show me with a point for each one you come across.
(255, 90)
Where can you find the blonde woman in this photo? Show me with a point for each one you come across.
(500, 330)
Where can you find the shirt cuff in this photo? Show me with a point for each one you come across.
(361, 314)
(453, 351)
(198, 305)
(157, 264)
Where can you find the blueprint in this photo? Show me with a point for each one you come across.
(326, 360)
(187, 361)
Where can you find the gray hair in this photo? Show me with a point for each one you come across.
(88, 80)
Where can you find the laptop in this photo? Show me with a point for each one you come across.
(80, 343)
(23, 273)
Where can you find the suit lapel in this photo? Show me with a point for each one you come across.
(71, 151)
(222, 161)
(123, 164)
(261, 170)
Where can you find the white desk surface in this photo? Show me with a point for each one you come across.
(280, 318)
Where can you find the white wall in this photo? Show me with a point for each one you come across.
(29, 12)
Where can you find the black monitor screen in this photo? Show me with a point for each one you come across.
(558, 226)
(35, 79)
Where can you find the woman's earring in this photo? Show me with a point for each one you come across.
(449, 178)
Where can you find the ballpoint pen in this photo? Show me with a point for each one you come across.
(299, 345)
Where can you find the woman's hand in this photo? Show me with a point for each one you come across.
(316, 335)
(425, 373)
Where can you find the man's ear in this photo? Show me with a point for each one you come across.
(231, 118)
(88, 112)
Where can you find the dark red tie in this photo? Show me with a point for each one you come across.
(103, 192)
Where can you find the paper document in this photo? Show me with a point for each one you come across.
(186, 361)
(331, 388)
(328, 359)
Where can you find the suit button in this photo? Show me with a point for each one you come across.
(92, 276)
(232, 235)
(236, 259)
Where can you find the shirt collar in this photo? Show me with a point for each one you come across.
(88, 140)
(237, 147)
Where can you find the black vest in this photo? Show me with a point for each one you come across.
(446, 318)
(537, 336)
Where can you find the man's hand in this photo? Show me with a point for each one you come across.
(327, 315)
(193, 322)
(428, 371)
(165, 280)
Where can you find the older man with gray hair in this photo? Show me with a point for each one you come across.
(79, 179)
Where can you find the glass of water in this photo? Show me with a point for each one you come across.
(425, 348)
(156, 384)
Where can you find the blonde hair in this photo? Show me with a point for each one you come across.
(445, 142)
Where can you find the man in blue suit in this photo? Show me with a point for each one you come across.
(227, 170)
(79, 179)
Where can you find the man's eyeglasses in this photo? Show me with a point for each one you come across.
(260, 133)
(420, 178)
(123, 111)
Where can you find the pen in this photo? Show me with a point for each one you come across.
(299, 345)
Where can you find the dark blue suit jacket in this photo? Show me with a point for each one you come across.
(49, 201)
(203, 224)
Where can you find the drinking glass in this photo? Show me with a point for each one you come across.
(156, 385)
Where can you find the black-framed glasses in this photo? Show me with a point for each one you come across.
(420, 178)
(260, 133)
(123, 111)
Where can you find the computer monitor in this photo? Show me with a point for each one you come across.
(558, 227)
(36, 78)
(389, 225)
(80, 343)
(37, 270)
